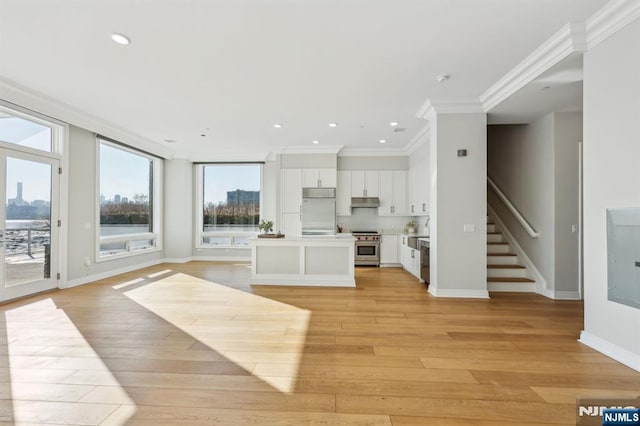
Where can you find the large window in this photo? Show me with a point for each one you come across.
(129, 213)
(230, 204)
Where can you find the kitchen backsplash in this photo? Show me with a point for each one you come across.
(368, 219)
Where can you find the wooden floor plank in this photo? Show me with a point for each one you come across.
(196, 344)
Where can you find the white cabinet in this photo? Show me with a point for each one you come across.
(291, 201)
(291, 224)
(389, 249)
(343, 193)
(319, 178)
(364, 183)
(392, 192)
(419, 183)
(291, 190)
(409, 258)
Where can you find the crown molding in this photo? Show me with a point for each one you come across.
(368, 152)
(301, 149)
(571, 38)
(24, 97)
(614, 16)
(431, 108)
(418, 140)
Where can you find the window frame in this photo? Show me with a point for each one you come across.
(200, 234)
(129, 239)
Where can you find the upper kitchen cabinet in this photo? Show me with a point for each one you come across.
(291, 190)
(319, 178)
(419, 182)
(392, 185)
(364, 183)
(343, 193)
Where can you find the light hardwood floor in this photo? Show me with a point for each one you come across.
(194, 344)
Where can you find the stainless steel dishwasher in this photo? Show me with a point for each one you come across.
(424, 261)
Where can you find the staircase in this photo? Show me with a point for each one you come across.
(505, 270)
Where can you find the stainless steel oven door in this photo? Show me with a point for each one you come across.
(367, 253)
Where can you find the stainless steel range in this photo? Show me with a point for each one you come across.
(367, 248)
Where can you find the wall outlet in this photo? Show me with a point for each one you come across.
(469, 227)
(574, 229)
(87, 261)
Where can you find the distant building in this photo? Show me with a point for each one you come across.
(240, 196)
(116, 199)
(18, 201)
(125, 200)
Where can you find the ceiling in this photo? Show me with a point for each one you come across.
(557, 89)
(216, 75)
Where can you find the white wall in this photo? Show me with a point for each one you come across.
(178, 209)
(82, 214)
(458, 196)
(611, 180)
(567, 137)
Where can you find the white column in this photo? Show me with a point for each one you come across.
(178, 210)
(458, 203)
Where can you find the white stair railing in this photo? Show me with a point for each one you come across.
(527, 227)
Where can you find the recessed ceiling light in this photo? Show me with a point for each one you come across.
(383, 141)
(278, 126)
(546, 88)
(333, 124)
(170, 140)
(120, 39)
(316, 142)
(394, 123)
(442, 77)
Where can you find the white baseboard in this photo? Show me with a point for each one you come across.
(390, 265)
(515, 287)
(177, 259)
(222, 258)
(465, 294)
(108, 274)
(566, 295)
(626, 357)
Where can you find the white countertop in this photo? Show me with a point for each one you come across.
(336, 237)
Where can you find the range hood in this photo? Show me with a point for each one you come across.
(366, 202)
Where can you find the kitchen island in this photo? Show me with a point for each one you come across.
(307, 260)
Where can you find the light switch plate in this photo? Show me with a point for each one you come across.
(469, 227)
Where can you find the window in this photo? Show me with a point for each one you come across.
(129, 207)
(29, 133)
(229, 203)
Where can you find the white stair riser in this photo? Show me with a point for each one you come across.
(515, 287)
(495, 238)
(504, 273)
(491, 228)
(498, 248)
(502, 260)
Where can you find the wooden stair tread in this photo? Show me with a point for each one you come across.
(494, 233)
(509, 280)
(506, 266)
(496, 244)
(501, 254)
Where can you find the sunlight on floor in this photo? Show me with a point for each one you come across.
(48, 360)
(249, 330)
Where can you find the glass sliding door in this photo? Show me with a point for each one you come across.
(28, 223)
